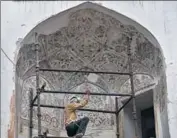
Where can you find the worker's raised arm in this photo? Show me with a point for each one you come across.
(82, 103)
(76, 106)
(86, 97)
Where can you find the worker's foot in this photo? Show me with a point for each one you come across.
(79, 135)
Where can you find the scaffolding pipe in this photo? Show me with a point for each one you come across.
(56, 137)
(124, 104)
(34, 99)
(41, 91)
(132, 90)
(83, 71)
(91, 110)
(65, 92)
(30, 113)
(104, 94)
(117, 117)
(52, 137)
(37, 86)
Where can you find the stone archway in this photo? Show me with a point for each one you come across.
(91, 37)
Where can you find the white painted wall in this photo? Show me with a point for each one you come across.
(129, 130)
(18, 18)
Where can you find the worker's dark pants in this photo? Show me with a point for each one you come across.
(77, 127)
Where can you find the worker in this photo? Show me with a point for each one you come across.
(76, 127)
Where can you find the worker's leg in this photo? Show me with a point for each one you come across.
(71, 129)
(82, 124)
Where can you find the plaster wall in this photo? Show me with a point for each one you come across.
(129, 130)
(18, 18)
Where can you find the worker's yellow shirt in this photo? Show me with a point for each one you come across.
(70, 110)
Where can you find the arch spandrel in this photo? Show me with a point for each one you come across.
(140, 81)
(51, 118)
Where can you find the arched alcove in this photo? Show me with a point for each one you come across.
(91, 37)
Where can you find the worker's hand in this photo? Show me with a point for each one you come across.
(87, 94)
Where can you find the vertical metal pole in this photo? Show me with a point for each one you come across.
(37, 86)
(31, 113)
(117, 117)
(132, 90)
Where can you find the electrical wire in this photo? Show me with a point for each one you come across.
(7, 56)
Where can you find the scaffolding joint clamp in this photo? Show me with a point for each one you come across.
(39, 115)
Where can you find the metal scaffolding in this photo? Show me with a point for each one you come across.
(42, 90)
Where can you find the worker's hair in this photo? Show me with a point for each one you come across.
(74, 99)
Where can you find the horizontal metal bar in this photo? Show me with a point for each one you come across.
(124, 104)
(104, 94)
(56, 137)
(91, 110)
(50, 137)
(83, 71)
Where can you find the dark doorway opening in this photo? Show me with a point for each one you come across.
(148, 123)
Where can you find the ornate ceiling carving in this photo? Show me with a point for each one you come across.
(96, 40)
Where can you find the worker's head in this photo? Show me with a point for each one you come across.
(74, 99)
